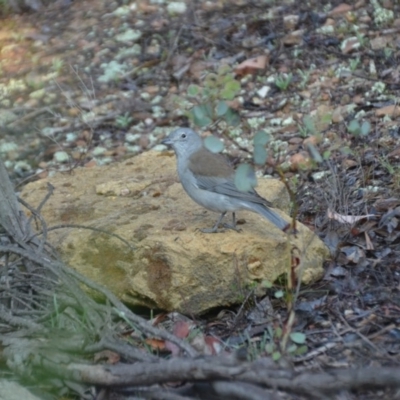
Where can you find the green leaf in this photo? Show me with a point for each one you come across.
(326, 154)
(269, 347)
(309, 124)
(298, 337)
(292, 348)
(201, 115)
(231, 117)
(354, 127)
(213, 144)
(279, 294)
(278, 332)
(199, 111)
(193, 90)
(365, 128)
(233, 85)
(227, 94)
(261, 138)
(260, 155)
(211, 80)
(314, 153)
(245, 178)
(346, 150)
(230, 90)
(276, 355)
(207, 93)
(326, 119)
(301, 350)
(224, 69)
(226, 78)
(222, 108)
(267, 284)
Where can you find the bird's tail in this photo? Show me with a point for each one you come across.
(271, 215)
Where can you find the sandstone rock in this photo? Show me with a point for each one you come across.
(14, 391)
(174, 266)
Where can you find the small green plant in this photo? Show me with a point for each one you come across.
(57, 64)
(274, 344)
(123, 121)
(393, 170)
(388, 52)
(361, 39)
(34, 83)
(357, 129)
(112, 72)
(283, 81)
(304, 76)
(245, 177)
(354, 63)
(212, 99)
(382, 16)
(307, 127)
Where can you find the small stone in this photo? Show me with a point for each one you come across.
(290, 21)
(176, 7)
(133, 149)
(132, 137)
(61, 156)
(6, 117)
(319, 175)
(37, 94)
(295, 140)
(350, 44)
(22, 166)
(263, 92)
(99, 151)
(129, 35)
(70, 137)
(8, 147)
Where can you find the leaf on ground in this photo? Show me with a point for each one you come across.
(173, 348)
(213, 344)
(156, 344)
(298, 337)
(348, 219)
(251, 65)
(181, 329)
(353, 253)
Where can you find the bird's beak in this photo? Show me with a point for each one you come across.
(167, 141)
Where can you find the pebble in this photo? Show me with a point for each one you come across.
(61, 156)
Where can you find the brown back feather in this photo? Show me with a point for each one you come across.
(205, 163)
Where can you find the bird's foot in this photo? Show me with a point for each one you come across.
(209, 230)
(215, 229)
(233, 227)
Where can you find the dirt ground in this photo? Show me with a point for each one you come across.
(91, 82)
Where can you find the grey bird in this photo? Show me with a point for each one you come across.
(209, 180)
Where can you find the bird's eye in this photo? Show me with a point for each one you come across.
(183, 136)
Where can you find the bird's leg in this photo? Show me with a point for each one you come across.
(214, 229)
(233, 226)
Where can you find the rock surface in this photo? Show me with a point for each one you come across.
(10, 390)
(174, 266)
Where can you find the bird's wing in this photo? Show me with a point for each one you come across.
(213, 173)
(227, 187)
